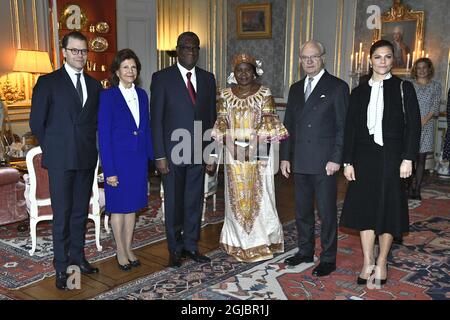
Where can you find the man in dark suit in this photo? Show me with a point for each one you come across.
(183, 101)
(315, 116)
(64, 120)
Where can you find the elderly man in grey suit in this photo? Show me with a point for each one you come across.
(315, 117)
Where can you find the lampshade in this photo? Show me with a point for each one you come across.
(32, 61)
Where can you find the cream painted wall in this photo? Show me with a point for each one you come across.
(136, 29)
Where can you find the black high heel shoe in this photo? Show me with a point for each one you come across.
(123, 267)
(135, 263)
(415, 196)
(362, 281)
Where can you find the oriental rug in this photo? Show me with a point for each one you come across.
(418, 269)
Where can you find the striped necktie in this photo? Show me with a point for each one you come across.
(308, 88)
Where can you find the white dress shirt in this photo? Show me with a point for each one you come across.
(375, 110)
(184, 71)
(72, 74)
(315, 81)
(131, 97)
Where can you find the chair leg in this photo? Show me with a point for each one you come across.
(97, 223)
(106, 224)
(33, 224)
(163, 217)
(204, 209)
(214, 202)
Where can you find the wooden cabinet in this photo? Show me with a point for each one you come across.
(98, 24)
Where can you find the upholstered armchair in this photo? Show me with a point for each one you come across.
(38, 201)
(12, 201)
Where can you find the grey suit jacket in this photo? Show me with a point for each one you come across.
(316, 127)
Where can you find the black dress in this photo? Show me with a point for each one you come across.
(446, 151)
(377, 199)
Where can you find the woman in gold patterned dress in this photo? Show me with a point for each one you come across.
(248, 125)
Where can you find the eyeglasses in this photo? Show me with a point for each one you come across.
(76, 52)
(188, 48)
(313, 58)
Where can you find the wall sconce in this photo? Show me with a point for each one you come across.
(166, 58)
(173, 55)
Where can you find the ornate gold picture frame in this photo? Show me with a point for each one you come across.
(405, 29)
(254, 21)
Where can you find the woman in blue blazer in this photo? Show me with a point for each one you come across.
(125, 149)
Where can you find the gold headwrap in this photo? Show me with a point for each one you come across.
(243, 57)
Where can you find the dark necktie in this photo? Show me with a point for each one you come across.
(308, 88)
(191, 89)
(79, 89)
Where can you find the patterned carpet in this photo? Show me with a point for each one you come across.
(3, 297)
(18, 269)
(418, 268)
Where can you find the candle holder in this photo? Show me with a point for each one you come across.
(358, 76)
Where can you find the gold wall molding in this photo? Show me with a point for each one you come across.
(447, 79)
(338, 39)
(289, 46)
(355, 8)
(309, 14)
(217, 40)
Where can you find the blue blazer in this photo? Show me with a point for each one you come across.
(117, 131)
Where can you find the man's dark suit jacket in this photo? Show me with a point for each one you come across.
(171, 109)
(66, 130)
(316, 128)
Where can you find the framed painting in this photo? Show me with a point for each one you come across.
(254, 21)
(404, 28)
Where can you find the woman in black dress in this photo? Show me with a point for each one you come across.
(382, 137)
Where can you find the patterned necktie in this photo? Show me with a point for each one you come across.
(308, 88)
(191, 89)
(79, 89)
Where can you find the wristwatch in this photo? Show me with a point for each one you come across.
(347, 164)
